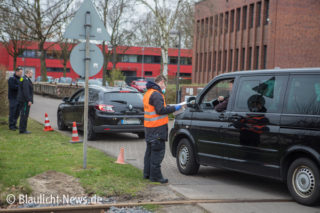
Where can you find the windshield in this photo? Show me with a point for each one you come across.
(130, 98)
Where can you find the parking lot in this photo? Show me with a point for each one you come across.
(209, 183)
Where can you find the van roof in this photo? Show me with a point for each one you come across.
(272, 71)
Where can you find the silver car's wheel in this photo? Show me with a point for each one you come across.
(183, 156)
(303, 181)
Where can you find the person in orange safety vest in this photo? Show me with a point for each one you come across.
(156, 128)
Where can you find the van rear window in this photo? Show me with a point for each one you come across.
(127, 97)
(303, 95)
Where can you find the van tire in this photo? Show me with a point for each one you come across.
(185, 158)
(303, 181)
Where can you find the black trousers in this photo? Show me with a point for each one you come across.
(152, 159)
(14, 111)
(24, 114)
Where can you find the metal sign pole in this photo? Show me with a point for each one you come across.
(85, 116)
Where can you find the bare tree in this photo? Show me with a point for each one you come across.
(42, 18)
(165, 21)
(115, 15)
(10, 33)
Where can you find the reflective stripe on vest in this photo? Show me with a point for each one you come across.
(151, 118)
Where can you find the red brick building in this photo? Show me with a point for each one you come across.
(232, 35)
(132, 61)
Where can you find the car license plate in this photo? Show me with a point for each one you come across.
(130, 121)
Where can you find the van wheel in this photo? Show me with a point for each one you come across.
(303, 181)
(91, 133)
(186, 160)
(61, 124)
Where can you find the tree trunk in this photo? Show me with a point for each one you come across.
(65, 68)
(43, 62)
(15, 61)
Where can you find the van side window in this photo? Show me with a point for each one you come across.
(260, 94)
(217, 95)
(303, 96)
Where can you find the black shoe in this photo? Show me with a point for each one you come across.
(162, 180)
(145, 177)
(13, 129)
(25, 132)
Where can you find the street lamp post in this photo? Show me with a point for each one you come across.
(142, 71)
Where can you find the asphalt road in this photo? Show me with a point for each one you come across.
(209, 183)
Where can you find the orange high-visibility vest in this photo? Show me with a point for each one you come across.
(151, 118)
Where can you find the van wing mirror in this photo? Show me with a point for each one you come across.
(66, 99)
(191, 102)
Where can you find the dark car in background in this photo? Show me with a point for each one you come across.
(140, 85)
(111, 109)
(270, 127)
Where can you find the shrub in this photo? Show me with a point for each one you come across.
(3, 91)
(114, 75)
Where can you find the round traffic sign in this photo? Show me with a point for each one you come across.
(77, 59)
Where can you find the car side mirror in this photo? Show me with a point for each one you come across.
(66, 99)
(191, 102)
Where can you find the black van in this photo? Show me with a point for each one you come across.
(265, 123)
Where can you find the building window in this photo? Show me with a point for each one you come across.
(226, 22)
(202, 27)
(219, 61)
(148, 73)
(230, 60)
(30, 54)
(173, 60)
(244, 18)
(221, 22)
(266, 20)
(232, 21)
(216, 25)
(198, 28)
(130, 58)
(225, 61)
(214, 60)
(265, 57)
(56, 69)
(236, 58)
(251, 15)
(197, 62)
(243, 58)
(211, 25)
(257, 57)
(209, 61)
(249, 58)
(238, 19)
(259, 14)
(205, 63)
(207, 27)
(200, 63)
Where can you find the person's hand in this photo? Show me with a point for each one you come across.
(220, 98)
(29, 103)
(178, 107)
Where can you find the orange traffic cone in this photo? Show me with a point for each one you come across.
(47, 125)
(75, 136)
(120, 159)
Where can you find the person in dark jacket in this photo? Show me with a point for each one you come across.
(13, 88)
(156, 128)
(25, 98)
(223, 101)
